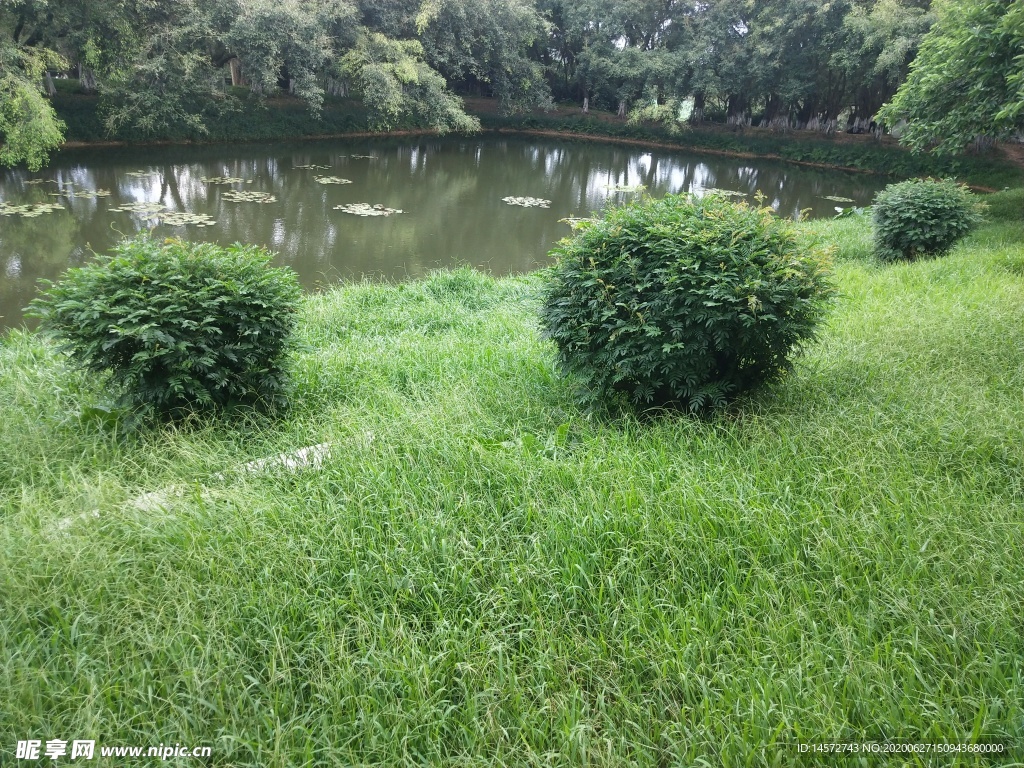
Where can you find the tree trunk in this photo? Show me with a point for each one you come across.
(236, 71)
(586, 105)
(51, 89)
(805, 114)
(337, 87)
(736, 112)
(87, 79)
(775, 117)
(622, 109)
(697, 116)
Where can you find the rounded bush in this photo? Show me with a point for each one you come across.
(922, 217)
(178, 326)
(682, 302)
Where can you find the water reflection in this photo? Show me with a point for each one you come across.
(450, 192)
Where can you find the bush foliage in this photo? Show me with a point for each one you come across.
(178, 326)
(682, 302)
(922, 217)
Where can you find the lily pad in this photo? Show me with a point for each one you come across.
(365, 209)
(235, 196)
(224, 180)
(148, 210)
(183, 218)
(312, 167)
(837, 198)
(141, 174)
(625, 188)
(364, 157)
(29, 211)
(527, 202)
(331, 180)
(90, 193)
(170, 218)
(724, 192)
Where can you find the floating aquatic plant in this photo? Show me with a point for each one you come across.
(183, 218)
(364, 157)
(625, 187)
(837, 198)
(527, 202)
(224, 180)
(89, 193)
(365, 209)
(171, 218)
(235, 196)
(723, 192)
(331, 180)
(140, 174)
(312, 167)
(151, 209)
(29, 211)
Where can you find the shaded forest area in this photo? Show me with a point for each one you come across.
(175, 66)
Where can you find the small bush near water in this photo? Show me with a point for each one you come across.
(922, 217)
(178, 326)
(681, 301)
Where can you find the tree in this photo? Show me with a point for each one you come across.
(968, 79)
(271, 37)
(395, 82)
(485, 46)
(156, 73)
(883, 38)
(29, 128)
(626, 52)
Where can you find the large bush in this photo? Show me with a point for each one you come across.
(178, 326)
(922, 217)
(683, 302)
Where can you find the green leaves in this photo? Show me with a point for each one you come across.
(922, 218)
(682, 302)
(29, 128)
(178, 326)
(395, 83)
(966, 81)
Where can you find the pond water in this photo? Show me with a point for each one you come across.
(449, 193)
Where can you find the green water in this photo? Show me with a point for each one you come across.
(449, 191)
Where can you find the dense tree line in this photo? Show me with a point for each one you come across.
(157, 63)
(967, 85)
(781, 63)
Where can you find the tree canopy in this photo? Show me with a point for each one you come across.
(968, 79)
(28, 124)
(158, 64)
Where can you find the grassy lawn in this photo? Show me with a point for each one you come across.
(479, 573)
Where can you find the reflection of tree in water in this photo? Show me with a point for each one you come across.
(30, 251)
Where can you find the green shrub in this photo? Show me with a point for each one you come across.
(178, 326)
(682, 302)
(922, 217)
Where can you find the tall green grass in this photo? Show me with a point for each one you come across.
(483, 574)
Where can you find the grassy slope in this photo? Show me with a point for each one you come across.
(841, 559)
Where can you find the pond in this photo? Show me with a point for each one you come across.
(440, 202)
